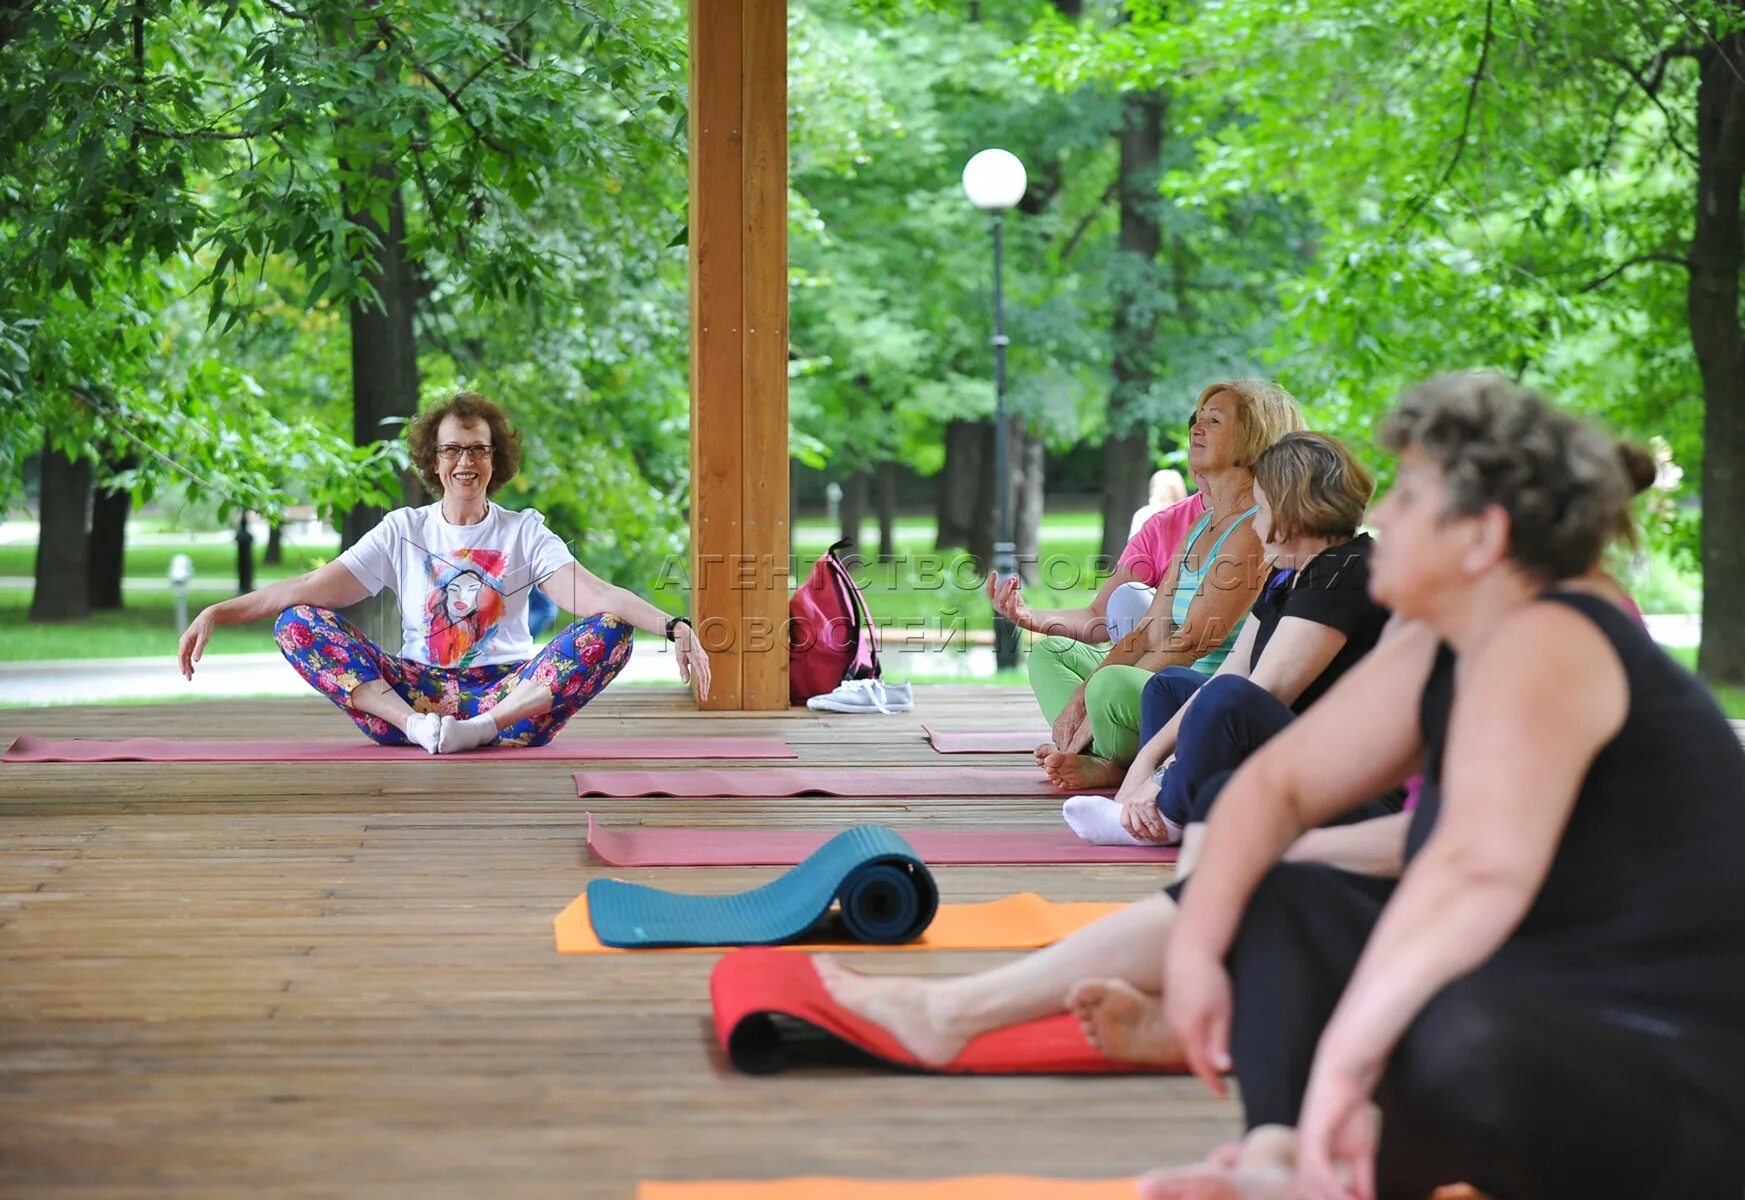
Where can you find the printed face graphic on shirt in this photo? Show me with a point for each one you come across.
(463, 606)
(463, 595)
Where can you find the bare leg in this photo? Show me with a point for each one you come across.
(1264, 1168)
(379, 700)
(1082, 772)
(1124, 1023)
(934, 1018)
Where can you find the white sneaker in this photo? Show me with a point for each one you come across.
(866, 695)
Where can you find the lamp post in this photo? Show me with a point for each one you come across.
(994, 181)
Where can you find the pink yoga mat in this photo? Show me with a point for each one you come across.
(999, 741)
(785, 847)
(31, 749)
(813, 781)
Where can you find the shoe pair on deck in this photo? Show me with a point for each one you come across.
(866, 695)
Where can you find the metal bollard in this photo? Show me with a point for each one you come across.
(181, 574)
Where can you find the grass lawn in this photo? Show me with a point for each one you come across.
(924, 591)
(146, 627)
(214, 564)
(939, 594)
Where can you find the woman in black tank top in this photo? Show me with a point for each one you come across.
(1551, 1001)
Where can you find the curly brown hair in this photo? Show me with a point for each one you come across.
(1564, 484)
(467, 406)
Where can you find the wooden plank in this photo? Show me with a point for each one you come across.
(287, 980)
(717, 316)
(765, 425)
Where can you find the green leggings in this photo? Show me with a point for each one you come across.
(1059, 666)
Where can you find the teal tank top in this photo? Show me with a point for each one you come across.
(1187, 585)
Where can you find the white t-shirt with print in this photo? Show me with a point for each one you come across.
(462, 589)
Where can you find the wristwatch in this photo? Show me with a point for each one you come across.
(673, 624)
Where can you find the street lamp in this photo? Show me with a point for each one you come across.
(994, 181)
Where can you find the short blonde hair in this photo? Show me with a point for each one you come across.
(1315, 486)
(1265, 412)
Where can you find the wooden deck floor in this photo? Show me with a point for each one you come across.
(338, 980)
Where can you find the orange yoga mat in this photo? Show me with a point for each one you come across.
(823, 1187)
(1021, 922)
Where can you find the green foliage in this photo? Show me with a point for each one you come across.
(1487, 185)
(194, 196)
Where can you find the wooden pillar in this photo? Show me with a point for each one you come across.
(739, 347)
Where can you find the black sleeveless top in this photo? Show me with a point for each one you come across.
(1644, 905)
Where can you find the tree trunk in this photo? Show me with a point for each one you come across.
(1126, 457)
(1027, 490)
(958, 481)
(62, 545)
(853, 509)
(384, 353)
(108, 540)
(244, 557)
(274, 554)
(984, 514)
(887, 505)
(384, 380)
(1717, 253)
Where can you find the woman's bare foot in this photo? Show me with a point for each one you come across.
(1124, 1023)
(1044, 750)
(1082, 772)
(1206, 1182)
(905, 1007)
(1262, 1167)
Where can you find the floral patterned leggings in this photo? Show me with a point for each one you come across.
(336, 658)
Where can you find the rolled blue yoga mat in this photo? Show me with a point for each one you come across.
(882, 891)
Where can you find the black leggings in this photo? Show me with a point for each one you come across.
(1523, 1091)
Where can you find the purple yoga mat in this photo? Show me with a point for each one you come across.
(31, 749)
(814, 781)
(999, 741)
(786, 847)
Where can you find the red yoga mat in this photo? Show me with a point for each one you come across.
(31, 749)
(747, 986)
(655, 847)
(815, 781)
(998, 741)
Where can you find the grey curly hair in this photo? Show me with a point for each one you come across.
(1563, 483)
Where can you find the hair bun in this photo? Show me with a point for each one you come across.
(1639, 465)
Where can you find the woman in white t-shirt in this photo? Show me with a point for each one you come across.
(467, 674)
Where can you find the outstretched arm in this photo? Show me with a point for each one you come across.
(580, 591)
(1087, 624)
(330, 586)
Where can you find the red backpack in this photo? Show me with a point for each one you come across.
(830, 632)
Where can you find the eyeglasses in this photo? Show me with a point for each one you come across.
(449, 452)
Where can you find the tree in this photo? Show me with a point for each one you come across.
(1553, 191)
(393, 159)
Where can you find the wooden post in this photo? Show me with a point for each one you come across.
(739, 347)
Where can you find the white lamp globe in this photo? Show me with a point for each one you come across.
(994, 180)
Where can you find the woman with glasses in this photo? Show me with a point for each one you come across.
(463, 570)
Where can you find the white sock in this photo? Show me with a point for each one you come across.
(424, 729)
(1097, 820)
(470, 734)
